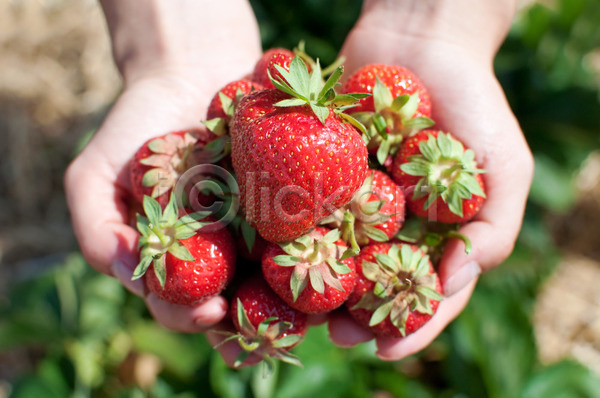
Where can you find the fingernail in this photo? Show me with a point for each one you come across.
(123, 273)
(461, 278)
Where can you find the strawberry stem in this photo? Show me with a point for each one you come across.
(164, 239)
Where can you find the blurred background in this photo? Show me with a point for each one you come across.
(532, 328)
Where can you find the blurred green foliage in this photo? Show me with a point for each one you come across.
(81, 328)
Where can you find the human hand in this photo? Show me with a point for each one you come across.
(171, 71)
(451, 49)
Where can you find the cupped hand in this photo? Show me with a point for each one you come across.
(467, 101)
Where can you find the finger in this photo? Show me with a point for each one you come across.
(99, 215)
(494, 230)
(345, 332)
(188, 319)
(392, 349)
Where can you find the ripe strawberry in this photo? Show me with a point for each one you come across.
(397, 289)
(267, 326)
(160, 161)
(266, 65)
(309, 273)
(222, 105)
(375, 214)
(399, 106)
(192, 260)
(296, 159)
(440, 177)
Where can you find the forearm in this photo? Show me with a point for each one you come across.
(149, 36)
(476, 25)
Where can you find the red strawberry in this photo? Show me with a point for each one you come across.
(222, 105)
(397, 289)
(375, 214)
(309, 273)
(160, 161)
(266, 65)
(267, 326)
(296, 159)
(440, 177)
(399, 106)
(192, 260)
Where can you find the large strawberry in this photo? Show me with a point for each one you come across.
(440, 177)
(296, 156)
(399, 106)
(267, 327)
(397, 289)
(192, 257)
(160, 161)
(222, 105)
(309, 273)
(375, 214)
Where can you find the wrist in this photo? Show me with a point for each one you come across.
(475, 27)
(151, 37)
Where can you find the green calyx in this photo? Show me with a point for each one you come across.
(171, 156)
(301, 52)
(161, 232)
(359, 218)
(316, 259)
(269, 340)
(447, 171)
(392, 120)
(219, 125)
(309, 89)
(403, 284)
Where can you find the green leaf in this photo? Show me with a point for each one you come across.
(287, 341)
(316, 280)
(152, 177)
(332, 81)
(142, 267)
(383, 151)
(338, 267)
(375, 234)
(445, 144)
(217, 125)
(226, 104)
(298, 282)
(332, 236)
(171, 211)
(382, 97)
(249, 234)
(180, 251)
(160, 270)
(409, 109)
(370, 270)
(359, 126)
(419, 123)
(381, 313)
(285, 260)
(321, 112)
(388, 262)
(429, 293)
(415, 168)
(455, 204)
(399, 102)
(153, 210)
(291, 102)
(372, 207)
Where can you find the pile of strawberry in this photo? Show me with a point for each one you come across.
(323, 173)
